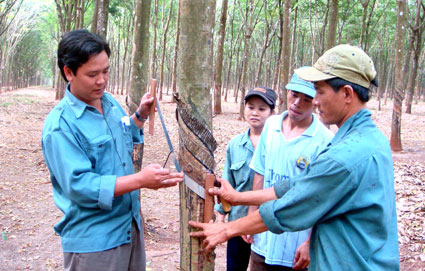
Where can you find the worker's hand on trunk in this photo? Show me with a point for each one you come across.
(214, 233)
(225, 192)
(154, 176)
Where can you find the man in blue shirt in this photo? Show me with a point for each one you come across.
(346, 194)
(87, 144)
(288, 143)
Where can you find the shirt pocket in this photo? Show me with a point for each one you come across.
(241, 173)
(100, 152)
(237, 165)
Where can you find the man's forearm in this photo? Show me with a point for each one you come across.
(257, 184)
(256, 197)
(250, 224)
(125, 184)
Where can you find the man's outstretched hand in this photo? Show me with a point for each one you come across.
(214, 234)
(218, 233)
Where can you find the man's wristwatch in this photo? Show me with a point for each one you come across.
(140, 117)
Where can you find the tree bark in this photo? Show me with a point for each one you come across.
(139, 69)
(250, 21)
(176, 48)
(383, 60)
(294, 39)
(333, 24)
(164, 47)
(270, 31)
(395, 140)
(418, 81)
(230, 58)
(102, 18)
(65, 13)
(219, 60)
(416, 36)
(194, 83)
(126, 45)
(238, 75)
(364, 4)
(284, 70)
(155, 27)
(366, 20)
(279, 52)
(93, 28)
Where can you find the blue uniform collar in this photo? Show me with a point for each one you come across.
(310, 131)
(78, 107)
(355, 120)
(246, 141)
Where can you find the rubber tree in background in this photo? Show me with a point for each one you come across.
(219, 60)
(250, 19)
(284, 70)
(140, 67)
(395, 140)
(100, 18)
(333, 24)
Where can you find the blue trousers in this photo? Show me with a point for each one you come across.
(238, 252)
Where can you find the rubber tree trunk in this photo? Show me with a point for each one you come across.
(219, 62)
(279, 52)
(93, 27)
(417, 31)
(164, 48)
(395, 140)
(155, 27)
(250, 22)
(284, 70)
(194, 81)
(100, 17)
(139, 67)
(333, 24)
(176, 48)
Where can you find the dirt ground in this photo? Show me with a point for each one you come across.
(28, 213)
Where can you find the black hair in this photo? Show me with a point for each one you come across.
(362, 92)
(76, 47)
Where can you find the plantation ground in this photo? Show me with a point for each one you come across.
(27, 211)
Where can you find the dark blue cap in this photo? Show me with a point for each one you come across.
(265, 93)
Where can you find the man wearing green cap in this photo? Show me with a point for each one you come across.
(346, 194)
(288, 143)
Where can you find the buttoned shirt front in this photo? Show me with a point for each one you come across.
(236, 170)
(85, 152)
(347, 196)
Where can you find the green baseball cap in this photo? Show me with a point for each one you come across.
(345, 61)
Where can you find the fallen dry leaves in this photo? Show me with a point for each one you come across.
(410, 192)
